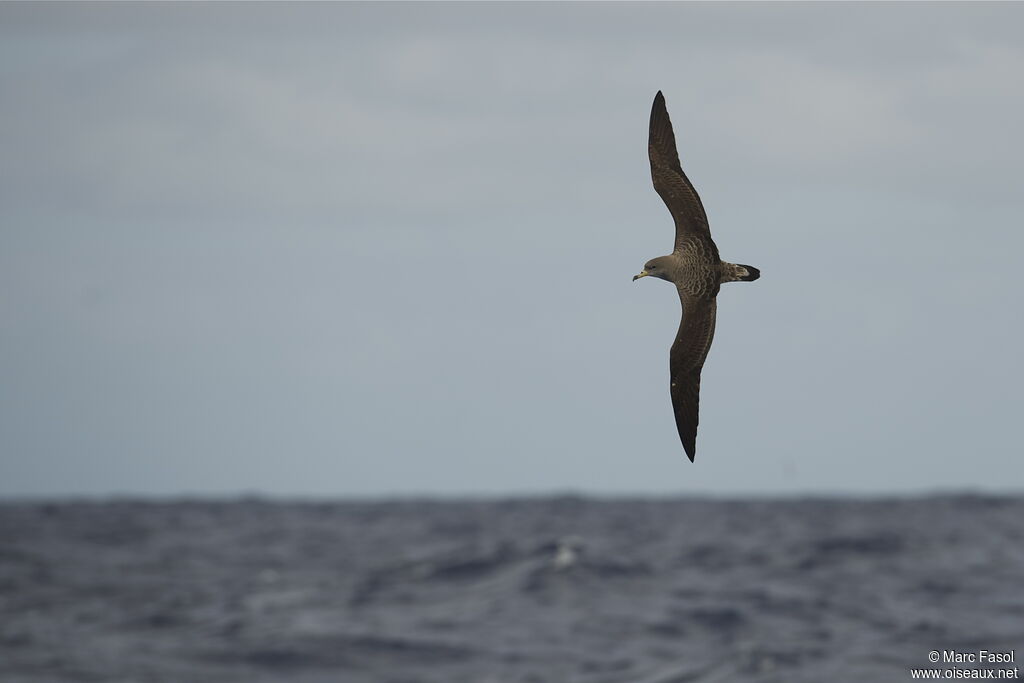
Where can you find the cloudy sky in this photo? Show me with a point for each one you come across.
(375, 249)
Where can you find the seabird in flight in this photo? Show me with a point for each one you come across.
(693, 267)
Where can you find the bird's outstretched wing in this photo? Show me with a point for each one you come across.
(669, 180)
(686, 359)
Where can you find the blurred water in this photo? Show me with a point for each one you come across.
(559, 589)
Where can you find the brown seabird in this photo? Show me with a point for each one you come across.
(693, 267)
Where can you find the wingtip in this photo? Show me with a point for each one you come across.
(690, 448)
(659, 109)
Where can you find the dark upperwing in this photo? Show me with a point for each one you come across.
(669, 180)
(686, 359)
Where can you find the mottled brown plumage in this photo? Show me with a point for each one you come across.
(693, 267)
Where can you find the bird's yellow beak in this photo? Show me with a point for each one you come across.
(642, 273)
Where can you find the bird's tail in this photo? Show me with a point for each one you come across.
(736, 272)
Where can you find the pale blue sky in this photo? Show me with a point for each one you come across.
(372, 249)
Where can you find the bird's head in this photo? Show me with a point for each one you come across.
(656, 267)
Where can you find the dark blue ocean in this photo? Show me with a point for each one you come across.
(557, 590)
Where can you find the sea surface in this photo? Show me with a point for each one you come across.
(558, 590)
